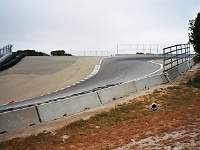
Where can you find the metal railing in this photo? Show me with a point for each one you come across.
(175, 55)
(6, 49)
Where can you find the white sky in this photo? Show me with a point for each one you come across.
(93, 25)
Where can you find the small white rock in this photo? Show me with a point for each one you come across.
(52, 133)
(64, 137)
(97, 127)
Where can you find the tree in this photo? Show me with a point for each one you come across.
(60, 53)
(194, 33)
(30, 53)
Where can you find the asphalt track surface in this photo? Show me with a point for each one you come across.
(113, 70)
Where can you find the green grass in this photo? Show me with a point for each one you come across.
(195, 82)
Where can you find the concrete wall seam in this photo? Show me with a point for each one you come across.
(67, 106)
(115, 92)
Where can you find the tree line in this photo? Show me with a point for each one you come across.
(36, 53)
(30, 53)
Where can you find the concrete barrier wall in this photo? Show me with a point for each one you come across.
(191, 63)
(148, 82)
(164, 79)
(173, 73)
(112, 93)
(18, 119)
(195, 59)
(52, 110)
(83, 102)
(58, 109)
(22, 118)
(183, 68)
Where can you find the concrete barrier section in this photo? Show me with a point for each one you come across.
(192, 61)
(173, 73)
(195, 59)
(145, 83)
(18, 119)
(112, 93)
(52, 110)
(183, 67)
(82, 103)
(164, 78)
(58, 109)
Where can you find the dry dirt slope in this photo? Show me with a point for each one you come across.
(35, 76)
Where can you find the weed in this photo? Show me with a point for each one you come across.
(195, 82)
(77, 124)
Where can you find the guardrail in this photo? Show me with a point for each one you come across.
(175, 55)
(6, 49)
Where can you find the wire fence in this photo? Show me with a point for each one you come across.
(91, 53)
(141, 48)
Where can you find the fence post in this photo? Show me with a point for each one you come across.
(164, 59)
(176, 55)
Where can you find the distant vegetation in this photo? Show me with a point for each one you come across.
(194, 33)
(60, 53)
(30, 53)
(139, 53)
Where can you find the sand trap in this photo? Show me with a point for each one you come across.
(35, 76)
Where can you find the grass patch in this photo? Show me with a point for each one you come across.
(118, 114)
(195, 82)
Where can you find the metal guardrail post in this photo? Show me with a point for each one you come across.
(163, 59)
(176, 56)
(171, 55)
(189, 54)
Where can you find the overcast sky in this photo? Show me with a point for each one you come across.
(93, 25)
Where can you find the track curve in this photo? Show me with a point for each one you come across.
(114, 70)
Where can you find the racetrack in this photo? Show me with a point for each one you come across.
(34, 76)
(113, 70)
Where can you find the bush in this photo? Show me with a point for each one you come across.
(194, 33)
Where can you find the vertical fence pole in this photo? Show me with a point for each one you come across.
(117, 49)
(157, 48)
(182, 56)
(188, 49)
(163, 59)
(171, 56)
(143, 48)
(150, 48)
(176, 56)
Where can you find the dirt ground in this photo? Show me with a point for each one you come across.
(35, 76)
(176, 128)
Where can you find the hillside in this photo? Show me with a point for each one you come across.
(35, 76)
